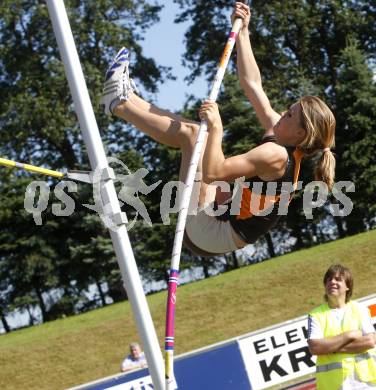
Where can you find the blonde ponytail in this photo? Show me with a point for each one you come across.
(325, 168)
(319, 123)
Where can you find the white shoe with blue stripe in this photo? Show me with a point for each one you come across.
(117, 85)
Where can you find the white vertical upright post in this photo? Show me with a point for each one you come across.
(98, 161)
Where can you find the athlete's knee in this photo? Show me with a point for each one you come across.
(189, 132)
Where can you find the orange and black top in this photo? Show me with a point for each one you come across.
(260, 200)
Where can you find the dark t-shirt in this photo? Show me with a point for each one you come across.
(253, 210)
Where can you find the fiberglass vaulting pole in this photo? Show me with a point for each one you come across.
(184, 206)
(98, 161)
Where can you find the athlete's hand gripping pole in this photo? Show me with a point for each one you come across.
(180, 227)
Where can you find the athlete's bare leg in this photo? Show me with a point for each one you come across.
(165, 128)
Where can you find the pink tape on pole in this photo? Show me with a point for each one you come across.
(171, 309)
(170, 315)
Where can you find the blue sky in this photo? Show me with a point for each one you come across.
(164, 43)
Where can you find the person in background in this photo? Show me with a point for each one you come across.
(341, 334)
(136, 359)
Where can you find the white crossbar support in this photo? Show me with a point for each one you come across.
(98, 160)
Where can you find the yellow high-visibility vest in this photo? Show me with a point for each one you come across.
(333, 369)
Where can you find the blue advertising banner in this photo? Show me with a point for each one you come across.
(220, 368)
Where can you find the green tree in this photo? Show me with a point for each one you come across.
(356, 100)
(28, 258)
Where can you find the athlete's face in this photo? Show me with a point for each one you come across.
(288, 130)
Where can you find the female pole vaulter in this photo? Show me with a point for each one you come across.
(306, 128)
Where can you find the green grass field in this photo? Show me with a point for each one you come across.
(90, 346)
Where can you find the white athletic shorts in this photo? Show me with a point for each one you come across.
(210, 234)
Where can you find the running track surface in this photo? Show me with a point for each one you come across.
(306, 385)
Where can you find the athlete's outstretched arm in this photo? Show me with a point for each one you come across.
(249, 73)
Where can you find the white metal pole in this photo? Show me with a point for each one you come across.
(98, 160)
